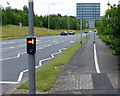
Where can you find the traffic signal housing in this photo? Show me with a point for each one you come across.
(31, 45)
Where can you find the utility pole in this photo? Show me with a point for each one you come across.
(81, 31)
(108, 8)
(31, 50)
(49, 17)
(81, 24)
(94, 36)
(68, 23)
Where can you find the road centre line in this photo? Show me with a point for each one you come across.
(18, 55)
(8, 42)
(21, 45)
(40, 64)
(11, 47)
(96, 60)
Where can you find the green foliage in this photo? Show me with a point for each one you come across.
(109, 28)
(14, 17)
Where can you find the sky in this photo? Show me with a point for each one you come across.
(63, 7)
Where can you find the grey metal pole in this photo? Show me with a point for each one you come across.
(86, 35)
(68, 23)
(31, 57)
(94, 37)
(48, 18)
(81, 31)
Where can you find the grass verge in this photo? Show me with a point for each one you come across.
(46, 77)
(14, 31)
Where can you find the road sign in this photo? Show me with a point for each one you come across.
(91, 24)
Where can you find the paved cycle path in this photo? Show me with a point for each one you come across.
(80, 75)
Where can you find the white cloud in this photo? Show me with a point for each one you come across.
(64, 7)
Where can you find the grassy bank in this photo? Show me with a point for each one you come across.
(13, 31)
(46, 77)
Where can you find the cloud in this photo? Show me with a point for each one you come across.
(64, 7)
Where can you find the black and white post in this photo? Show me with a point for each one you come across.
(31, 57)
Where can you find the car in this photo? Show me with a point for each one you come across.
(63, 33)
(90, 31)
(71, 32)
(86, 32)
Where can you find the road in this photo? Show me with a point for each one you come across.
(14, 56)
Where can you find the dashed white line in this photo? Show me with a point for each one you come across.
(11, 47)
(21, 46)
(8, 42)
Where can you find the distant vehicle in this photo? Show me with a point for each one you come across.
(86, 32)
(71, 32)
(63, 33)
(95, 31)
(90, 31)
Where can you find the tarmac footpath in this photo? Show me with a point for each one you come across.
(81, 75)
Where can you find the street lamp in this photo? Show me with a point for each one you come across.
(48, 17)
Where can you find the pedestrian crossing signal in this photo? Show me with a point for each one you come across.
(31, 45)
(31, 41)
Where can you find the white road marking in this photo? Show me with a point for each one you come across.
(8, 42)
(48, 45)
(54, 41)
(40, 64)
(57, 42)
(96, 60)
(72, 41)
(21, 45)
(18, 55)
(8, 82)
(11, 47)
(62, 41)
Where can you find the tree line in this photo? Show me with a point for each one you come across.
(109, 28)
(15, 16)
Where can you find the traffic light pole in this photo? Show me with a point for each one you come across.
(31, 57)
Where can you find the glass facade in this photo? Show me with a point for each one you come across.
(88, 11)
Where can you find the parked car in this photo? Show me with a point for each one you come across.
(63, 33)
(71, 32)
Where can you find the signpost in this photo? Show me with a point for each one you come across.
(31, 50)
(94, 36)
(81, 31)
(20, 24)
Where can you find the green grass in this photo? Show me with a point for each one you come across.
(14, 31)
(46, 77)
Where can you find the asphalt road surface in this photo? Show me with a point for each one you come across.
(15, 60)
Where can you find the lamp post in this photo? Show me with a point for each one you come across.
(81, 31)
(49, 17)
(68, 23)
